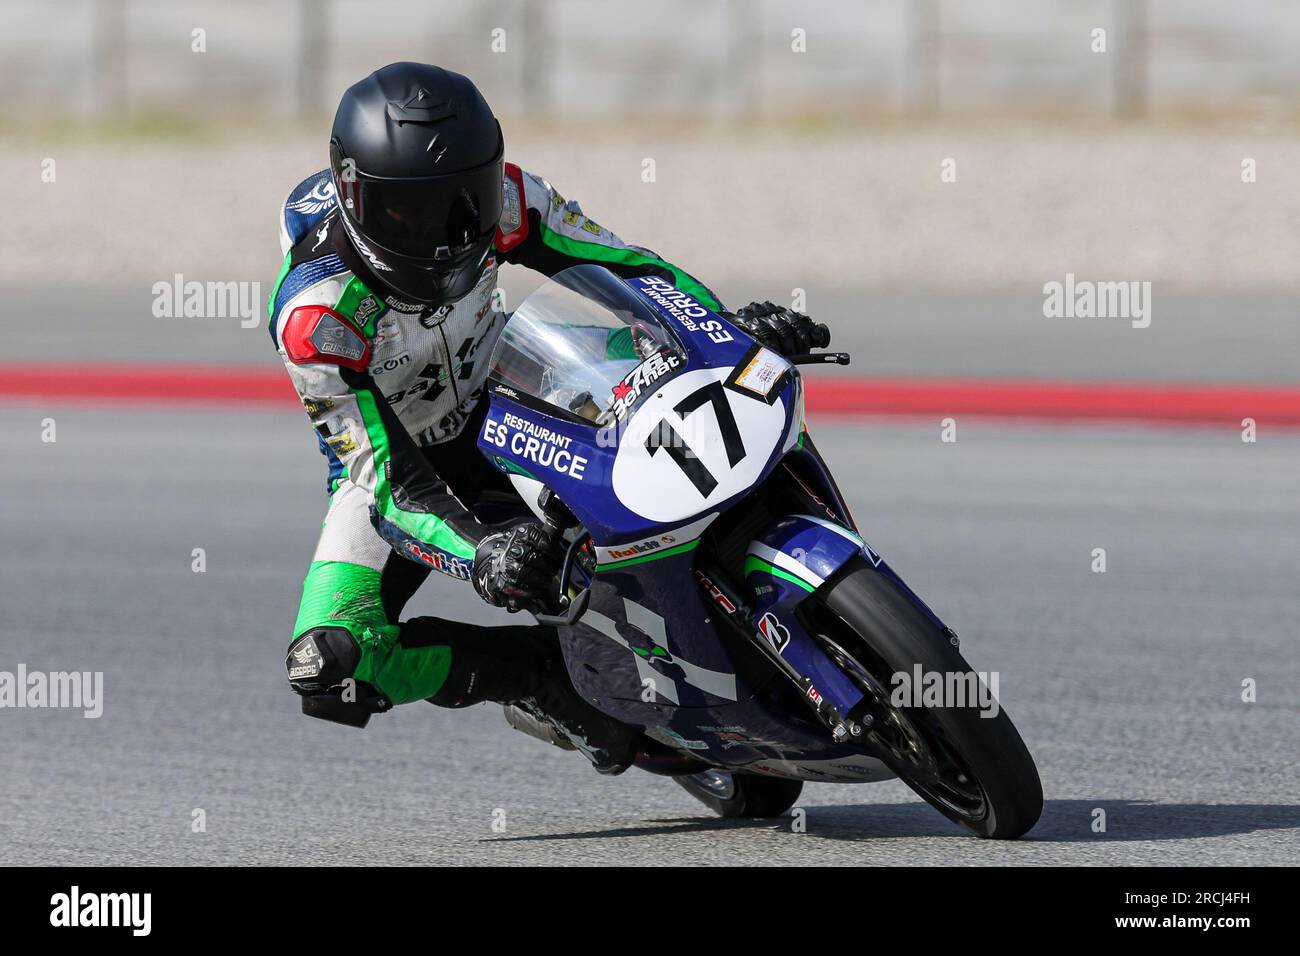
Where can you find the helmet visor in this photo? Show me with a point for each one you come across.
(431, 217)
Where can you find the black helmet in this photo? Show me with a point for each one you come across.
(416, 156)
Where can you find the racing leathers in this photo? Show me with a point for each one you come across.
(394, 391)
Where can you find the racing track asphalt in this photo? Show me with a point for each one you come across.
(1125, 685)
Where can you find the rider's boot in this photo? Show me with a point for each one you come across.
(523, 666)
(609, 744)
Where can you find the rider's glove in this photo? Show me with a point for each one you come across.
(516, 568)
(780, 329)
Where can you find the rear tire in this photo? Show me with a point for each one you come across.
(745, 795)
(974, 770)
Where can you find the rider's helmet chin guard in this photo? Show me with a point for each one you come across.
(417, 162)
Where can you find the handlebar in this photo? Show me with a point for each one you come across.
(819, 358)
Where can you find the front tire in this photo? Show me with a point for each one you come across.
(975, 770)
(745, 795)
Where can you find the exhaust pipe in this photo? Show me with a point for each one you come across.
(524, 722)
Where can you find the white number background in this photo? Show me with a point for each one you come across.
(654, 486)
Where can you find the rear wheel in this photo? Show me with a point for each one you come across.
(972, 768)
(731, 794)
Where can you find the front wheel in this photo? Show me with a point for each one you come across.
(731, 794)
(972, 768)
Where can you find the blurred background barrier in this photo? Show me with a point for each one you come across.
(721, 60)
(913, 171)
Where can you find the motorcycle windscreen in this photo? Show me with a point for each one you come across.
(585, 343)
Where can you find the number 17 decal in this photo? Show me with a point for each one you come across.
(665, 436)
(675, 458)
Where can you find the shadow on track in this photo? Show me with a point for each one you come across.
(668, 827)
(1063, 821)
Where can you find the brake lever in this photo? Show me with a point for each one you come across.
(570, 611)
(570, 614)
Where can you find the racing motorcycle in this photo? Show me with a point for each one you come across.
(716, 591)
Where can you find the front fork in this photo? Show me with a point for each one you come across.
(821, 685)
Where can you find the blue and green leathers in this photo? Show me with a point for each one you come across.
(343, 595)
(389, 385)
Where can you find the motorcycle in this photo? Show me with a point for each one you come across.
(715, 590)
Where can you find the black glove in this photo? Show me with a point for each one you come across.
(780, 329)
(516, 568)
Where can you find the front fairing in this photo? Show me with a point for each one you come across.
(665, 446)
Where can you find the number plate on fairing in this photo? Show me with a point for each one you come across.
(692, 444)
